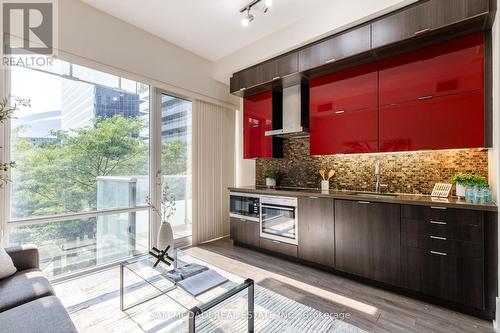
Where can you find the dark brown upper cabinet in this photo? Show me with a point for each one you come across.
(425, 18)
(266, 72)
(421, 24)
(333, 49)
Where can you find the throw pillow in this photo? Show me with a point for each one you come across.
(7, 267)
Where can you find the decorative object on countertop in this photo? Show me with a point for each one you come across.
(441, 190)
(271, 177)
(325, 182)
(478, 193)
(165, 238)
(461, 180)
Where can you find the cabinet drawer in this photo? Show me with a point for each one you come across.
(443, 245)
(244, 231)
(278, 247)
(456, 224)
(449, 230)
(448, 277)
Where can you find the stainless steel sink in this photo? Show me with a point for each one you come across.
(375, 195)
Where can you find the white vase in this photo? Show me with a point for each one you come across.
(325, 185)
(166, 238)
(270, 182)
(460, 191)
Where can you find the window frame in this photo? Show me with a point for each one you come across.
(155, 127)
(6, 191)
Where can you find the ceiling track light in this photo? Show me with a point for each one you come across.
(266, 4)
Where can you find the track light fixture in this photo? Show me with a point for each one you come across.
(247, 19)
(266, 4)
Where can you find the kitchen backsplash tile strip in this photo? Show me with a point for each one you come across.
(408, 172)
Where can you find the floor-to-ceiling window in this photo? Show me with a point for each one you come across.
(176, 160)
(81, 180)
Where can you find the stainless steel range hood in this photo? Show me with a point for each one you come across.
(294, 114)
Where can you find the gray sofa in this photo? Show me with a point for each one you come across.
(27, 300)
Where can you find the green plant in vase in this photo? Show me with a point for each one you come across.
(271, 177)
(461, 180)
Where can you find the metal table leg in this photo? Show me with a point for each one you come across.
(121, 287)
(251, 309)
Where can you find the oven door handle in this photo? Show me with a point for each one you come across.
(278, 207)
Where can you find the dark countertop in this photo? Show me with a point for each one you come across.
(410, 199)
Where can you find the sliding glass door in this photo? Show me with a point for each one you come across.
(176, 161)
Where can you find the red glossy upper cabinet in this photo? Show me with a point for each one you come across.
(453, 121)
(257, 119)
(443, 69)
(344, 112)
(434, 98)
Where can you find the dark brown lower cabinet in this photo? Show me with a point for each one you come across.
(316, 230)
(244, 231)
(449, 277)
(278, 247)
(368, 240)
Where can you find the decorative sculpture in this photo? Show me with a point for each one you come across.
(161, 255)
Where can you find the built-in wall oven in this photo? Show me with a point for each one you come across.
(278, 219)
(244, 206)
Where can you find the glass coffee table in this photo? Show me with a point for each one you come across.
(143, 271)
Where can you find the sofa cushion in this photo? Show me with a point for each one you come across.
(7, 267)
(24, 256)
(46, 314)
(23, 287)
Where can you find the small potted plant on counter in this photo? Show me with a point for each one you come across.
(462, 179)
(271, 177)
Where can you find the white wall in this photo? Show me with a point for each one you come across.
(88, 33)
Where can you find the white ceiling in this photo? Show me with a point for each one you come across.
(212, 28)
(209, 28)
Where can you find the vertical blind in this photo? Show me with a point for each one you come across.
(213, 169)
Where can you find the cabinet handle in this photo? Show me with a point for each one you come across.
(243, 89)
(422, 98)
(438, 238)
(276, 78)
(364, 202)
(438, 222)
(434, 207)
(330, 61)
(313, 197)
(439, 253)
(340, 111)
(276, 242)
(422, 31)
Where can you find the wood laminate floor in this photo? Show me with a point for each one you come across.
(369, 308)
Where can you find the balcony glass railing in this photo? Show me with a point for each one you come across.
(74, 245)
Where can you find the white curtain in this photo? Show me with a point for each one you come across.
(213, 169)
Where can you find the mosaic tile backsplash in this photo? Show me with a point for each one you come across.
(408, 172)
